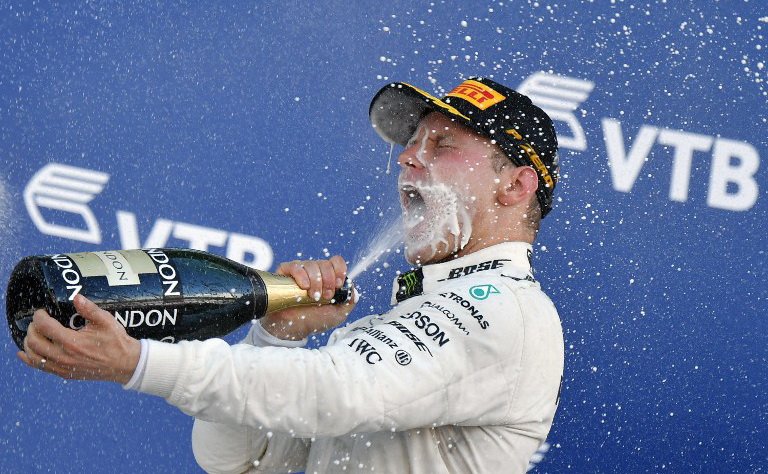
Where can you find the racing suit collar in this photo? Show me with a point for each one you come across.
(492, 260)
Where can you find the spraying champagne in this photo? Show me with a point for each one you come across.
(163, 294)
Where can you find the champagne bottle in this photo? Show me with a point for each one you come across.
(162, 294)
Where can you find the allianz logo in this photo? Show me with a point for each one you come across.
(58, 194)
(733, 163)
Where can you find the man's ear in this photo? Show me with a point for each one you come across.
(517, 184)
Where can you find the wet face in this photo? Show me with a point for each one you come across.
(447, 190)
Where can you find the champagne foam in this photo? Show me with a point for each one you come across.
(387, 238)
(443, 213)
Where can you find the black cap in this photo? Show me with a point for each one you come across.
(523, 131)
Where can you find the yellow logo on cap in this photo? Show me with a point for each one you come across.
(437, 101)
(477, 94)
(534, 157)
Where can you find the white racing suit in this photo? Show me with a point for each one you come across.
(461, 375)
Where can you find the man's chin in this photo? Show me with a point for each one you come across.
(420, 254)
(414, 257)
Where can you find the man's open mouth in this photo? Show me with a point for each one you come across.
(432, 216)
(414, 206)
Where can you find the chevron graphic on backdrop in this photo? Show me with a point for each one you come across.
(67, 189)
(560, 96)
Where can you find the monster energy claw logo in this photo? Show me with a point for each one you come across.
(409, 281)
(482, 292)
(409, 284)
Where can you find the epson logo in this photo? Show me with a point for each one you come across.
(431, 329)
(57, 198)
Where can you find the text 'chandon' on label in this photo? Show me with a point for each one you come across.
(70, 274)
(168, 275)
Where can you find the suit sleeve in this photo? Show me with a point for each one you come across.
(423, 365)
(224, 448)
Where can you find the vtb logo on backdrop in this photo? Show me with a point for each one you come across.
(58, 194)
(732, 185)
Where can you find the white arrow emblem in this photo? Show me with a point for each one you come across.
(560, 96)
(68, 189)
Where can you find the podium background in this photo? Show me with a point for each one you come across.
(252, 121)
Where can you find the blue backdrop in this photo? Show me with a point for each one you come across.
(244, 130)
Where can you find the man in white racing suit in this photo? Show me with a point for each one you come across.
(461, 375)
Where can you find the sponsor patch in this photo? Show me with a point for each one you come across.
(448, 314)
(413, 337)
(430, 328)
(469, 307)
(534, 157)
(482, 292)
(403, 357)
(437, 101)
(470, 269)
(409, 284)
(366, 350)
(477, 94)
(377, 334)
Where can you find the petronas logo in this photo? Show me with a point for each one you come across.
(482, 292)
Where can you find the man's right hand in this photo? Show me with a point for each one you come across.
(321, 279)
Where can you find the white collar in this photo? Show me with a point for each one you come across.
(511, 258)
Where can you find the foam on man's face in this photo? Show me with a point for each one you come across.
(437, 218)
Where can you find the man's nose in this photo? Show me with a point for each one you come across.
(408, 157)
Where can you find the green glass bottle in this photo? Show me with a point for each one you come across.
(163, 294)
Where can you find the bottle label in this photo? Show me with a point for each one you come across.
(168, 275)
(121, 267)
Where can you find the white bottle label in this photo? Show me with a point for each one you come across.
(121, 267)
(119, 271)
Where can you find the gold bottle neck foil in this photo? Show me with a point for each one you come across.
(283, 292)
